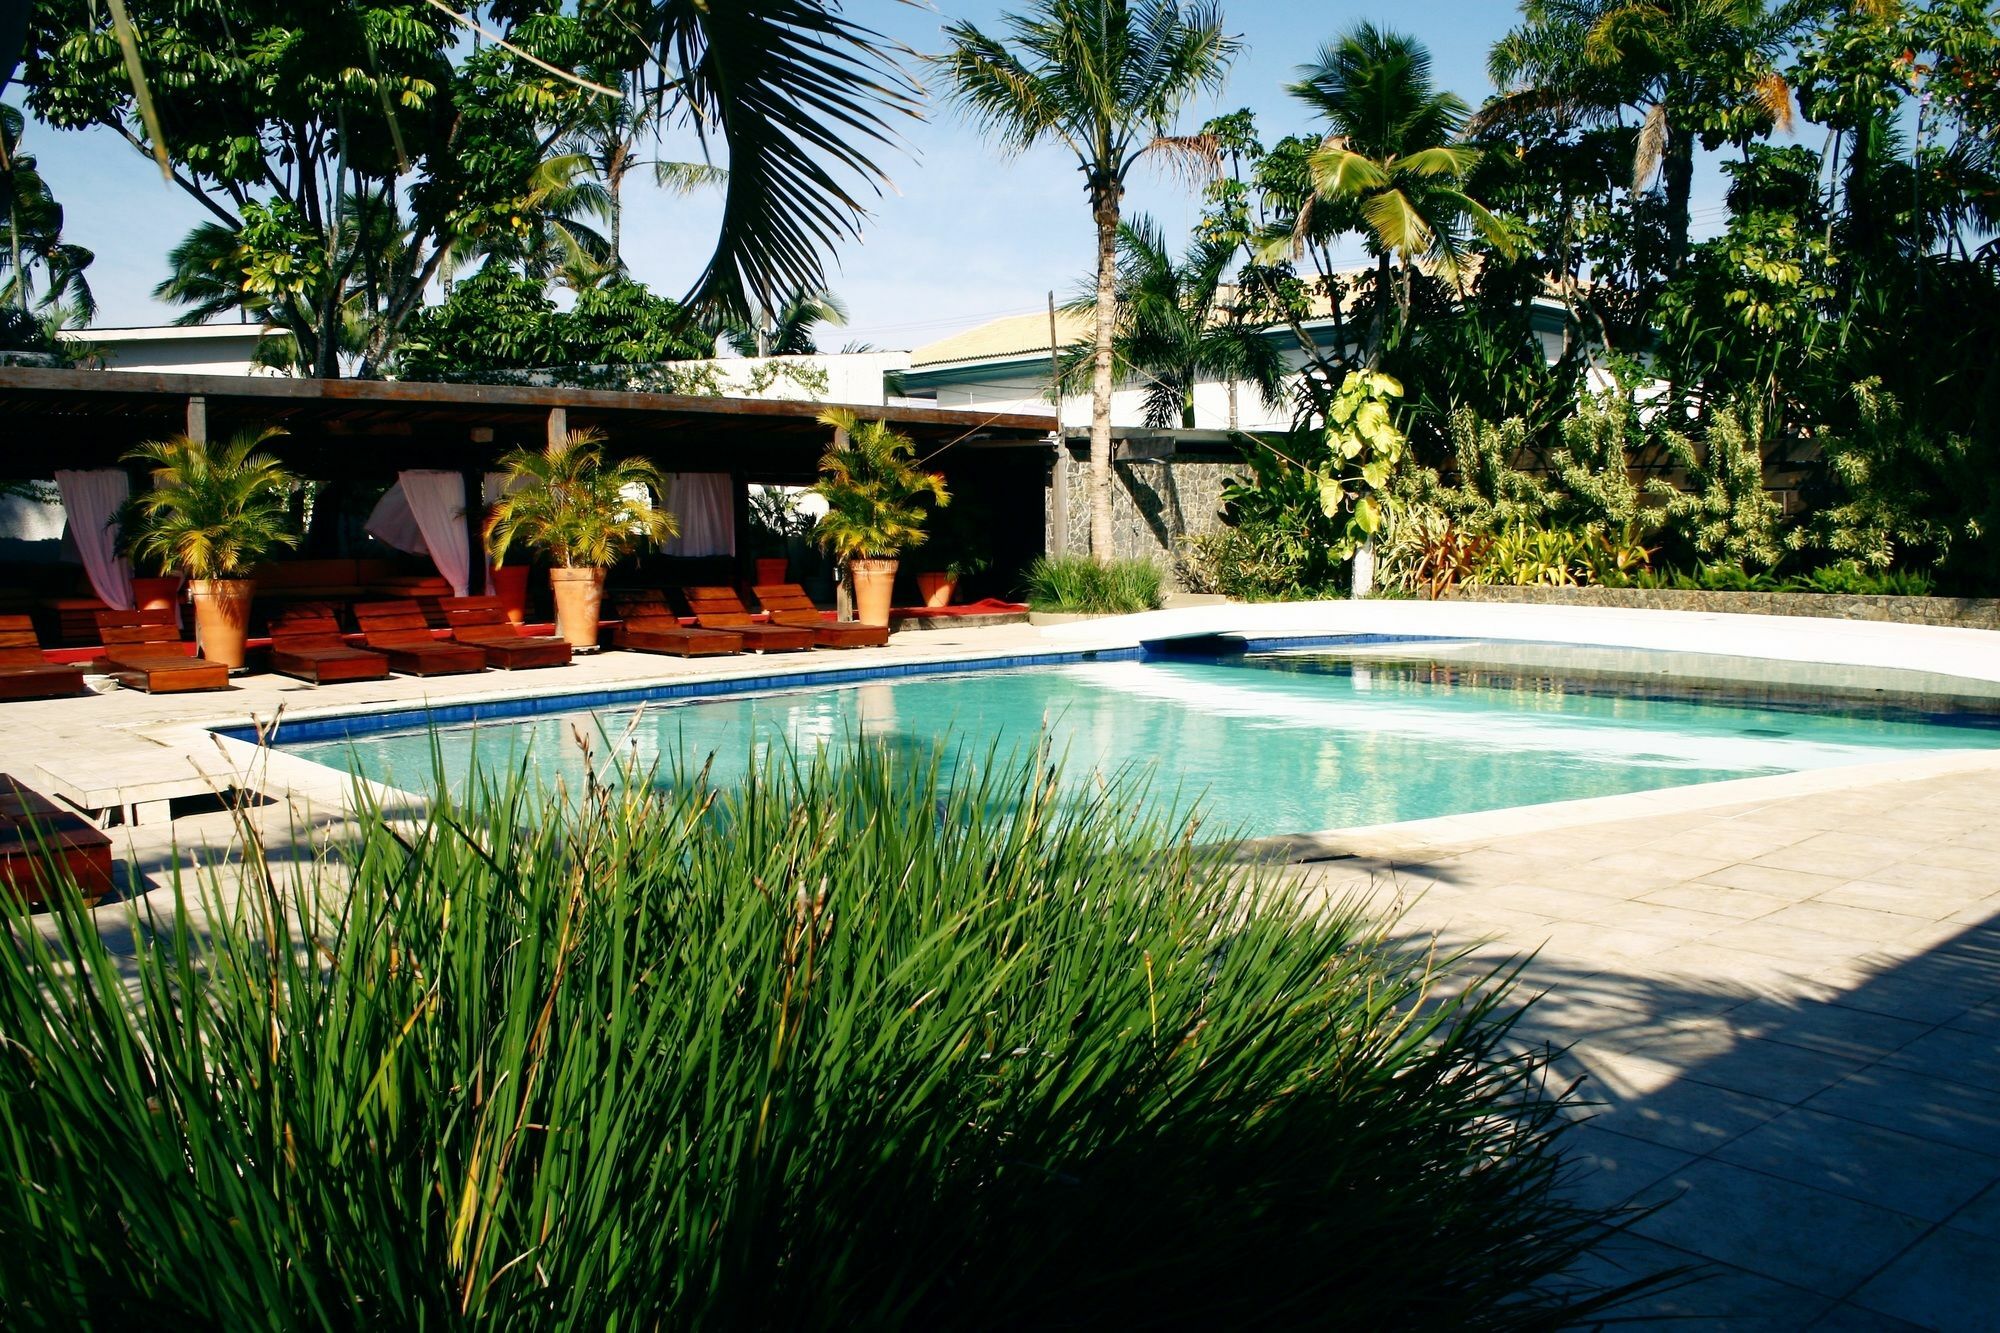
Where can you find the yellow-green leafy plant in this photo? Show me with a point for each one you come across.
(581, 511)
(214, 510)
(1364, 448)
(874, 490)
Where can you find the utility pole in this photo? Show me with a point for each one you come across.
(1059, 480)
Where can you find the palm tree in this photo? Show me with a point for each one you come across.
(1179, 323)
(1391, 161)
(1106, 79)
(34, 223)
(1685, 68)
(787, 331)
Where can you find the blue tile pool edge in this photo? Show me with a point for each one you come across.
(349, 725)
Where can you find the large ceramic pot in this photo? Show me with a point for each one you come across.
(874, 582)
(222, 618)
(937, 588)
(772, 570)
(579, 595)
(510, 585)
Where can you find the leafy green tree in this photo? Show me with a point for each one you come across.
(280, 117)
(497, 324)
(1390, 161)
(1106, 79)
(34, 235)
(1180, 323)
(1690, 71)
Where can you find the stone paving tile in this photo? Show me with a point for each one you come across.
(1981, 1217)
(1759, 877)
(1866, 1162)
(1692, 1117)
(1710, 1052)
(1737, 904)
(1606, 1170)
(1915, 874)
(1953, 1053)
(1854, 923)
(1938, 904)
(1776, 1228)
(1933, 1109)
(1949, 1281)
(1753, 1304)
(1831, 1028)
(1846, 1317)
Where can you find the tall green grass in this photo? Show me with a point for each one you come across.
(1077, 583)
(842, 1047)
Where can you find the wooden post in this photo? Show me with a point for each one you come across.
(197, 418)
(739, 521)
(558, 424)
(843, 584)
(1058, 537)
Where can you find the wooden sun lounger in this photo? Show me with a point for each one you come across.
(399, 630)
(144, 651)
(788, 604)
(648, 625)
(309, 646)
(482, 621)
(721, 608)
(24, 672)
(35, 832)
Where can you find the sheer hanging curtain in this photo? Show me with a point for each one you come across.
(392, 522)
(437, 503)
(705, 505)
(92, 501)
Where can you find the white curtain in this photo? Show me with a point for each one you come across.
(392, 522)
(704, 503)
(92, 501)
(437, 502)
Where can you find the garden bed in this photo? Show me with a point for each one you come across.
(1961, 612)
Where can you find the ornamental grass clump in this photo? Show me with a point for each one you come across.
(841, 1047)
(1079, 584)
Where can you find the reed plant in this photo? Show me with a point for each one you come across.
(846, 1045)
(1078, 583)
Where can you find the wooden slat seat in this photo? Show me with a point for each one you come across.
(399, 630)
(721, 608)
(648, 625)
(37, 835)
(143, 651)
(483, 622)
(787, 604)
(24, 672)
(307, 644)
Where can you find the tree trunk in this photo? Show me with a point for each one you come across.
(1104, 205)
(1677, 167)
(1383, 297)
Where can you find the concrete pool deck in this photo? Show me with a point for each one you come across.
(1785, 992)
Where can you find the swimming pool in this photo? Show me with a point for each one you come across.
(1269, 743)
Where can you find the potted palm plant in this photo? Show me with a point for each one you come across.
(212, 513)
(583, 513)
(874, 493)
(957, 550)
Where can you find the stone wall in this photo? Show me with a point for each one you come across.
(1961, 612)
(1156, 504)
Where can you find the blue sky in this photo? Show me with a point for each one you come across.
(966, 235)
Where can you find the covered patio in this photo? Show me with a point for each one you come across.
(401, 474)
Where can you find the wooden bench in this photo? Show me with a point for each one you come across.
(38, 837)
(143, 651)
(24, 672)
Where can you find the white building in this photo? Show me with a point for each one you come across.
(193, 349)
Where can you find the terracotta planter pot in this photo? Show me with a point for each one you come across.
(874, 582)
(222, 618)
(579, 594)
(510, 585)
(937, 589)
(772, 569)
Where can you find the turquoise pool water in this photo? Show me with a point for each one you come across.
(1268, 743)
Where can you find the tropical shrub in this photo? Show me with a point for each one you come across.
(1081, 584)
(1723, 511)
(582, 512)
(766, 1057)
(213, 510)
(875, 493)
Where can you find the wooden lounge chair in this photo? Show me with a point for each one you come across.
(399, 630)
(24, 672)
(308, 644)
(788, 604)
(35, 832)
(721, 608)
(482, 622)
(143, 651)
(648, 625)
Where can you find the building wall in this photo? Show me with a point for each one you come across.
(207, 349)
(1156, 506)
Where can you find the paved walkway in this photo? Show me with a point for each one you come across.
(1790, 1014)
(1788, 1006)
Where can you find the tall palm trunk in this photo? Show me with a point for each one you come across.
(1104, 206)
(1677, 168)
(1384, 296)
